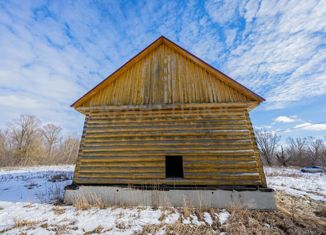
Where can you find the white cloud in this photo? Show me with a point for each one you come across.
(222, 11)
(311, 126)
(285, 119)
(230, 35)
(281, 53)
(250, 9)
(19, 102)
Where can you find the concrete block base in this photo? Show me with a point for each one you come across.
(217, 198)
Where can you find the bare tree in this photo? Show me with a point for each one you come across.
(297, 150)
(25, 142)
(323, 154)
(68, 150)
(51, 134)
(3, 146)
(315, 150)
(267, 142)
(283, 158)
(24, 137)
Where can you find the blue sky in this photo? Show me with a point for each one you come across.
(52, 52)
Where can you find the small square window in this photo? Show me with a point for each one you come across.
(173, 167)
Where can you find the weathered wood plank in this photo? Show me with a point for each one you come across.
(176, 145)
(216, 107)
(168, 139)
(222, 128)
(193, 133)
(192, 182)
(115, 125)
(182, 148)
(170, 112)
(161, 175)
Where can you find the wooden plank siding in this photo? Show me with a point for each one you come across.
(165, 77)
(129, 147)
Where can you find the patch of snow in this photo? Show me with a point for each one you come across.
(208, 218)
(172, 218)
(297, 183)
(223, 216)
(186, 221)
(194, 220)
(161, 231)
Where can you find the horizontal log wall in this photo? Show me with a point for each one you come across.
(129, 147)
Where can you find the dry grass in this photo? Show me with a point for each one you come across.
(162, 217)
(150, 229)
(81, 203)
(182, 229)
(243, 221)
(58, 210)
(97, 230)
(23, 223)
(122, 226)
(303, 207)
(98, 203)
(321, 212)
(85, 203)
(185, 210)
(177, 228)
(60, 228)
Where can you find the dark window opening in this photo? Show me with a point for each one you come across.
(173, 167)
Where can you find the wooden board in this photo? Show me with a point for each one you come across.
(165, 76)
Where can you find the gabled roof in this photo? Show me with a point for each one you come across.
(163, 40)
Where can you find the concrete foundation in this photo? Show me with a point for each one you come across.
(217, 198)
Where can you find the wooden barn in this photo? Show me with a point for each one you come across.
(168, 118)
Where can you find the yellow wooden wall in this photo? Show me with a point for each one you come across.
(129, 147)
(165, 76)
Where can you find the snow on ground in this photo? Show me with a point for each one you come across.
(34, 184)
(297, 183)
(26, 196)
(68, 219)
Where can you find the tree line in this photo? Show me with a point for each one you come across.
(299, 151)
(26, 141)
